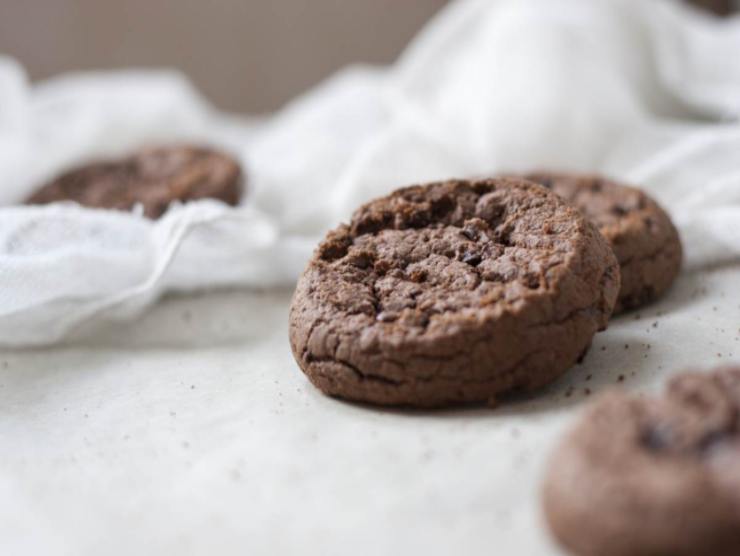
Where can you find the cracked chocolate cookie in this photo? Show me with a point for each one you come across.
(152, 178)
(652, 476)
(452, 292)
(642, 235)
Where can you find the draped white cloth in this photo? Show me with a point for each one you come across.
(644, 91)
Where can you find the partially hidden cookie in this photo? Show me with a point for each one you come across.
(152, 177)
(452, 292)
(642, 235)
(652, 476)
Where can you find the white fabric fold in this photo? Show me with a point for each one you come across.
(648, 92)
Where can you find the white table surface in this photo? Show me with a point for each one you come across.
(192, 431)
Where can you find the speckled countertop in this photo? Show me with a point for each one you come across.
(192, 431)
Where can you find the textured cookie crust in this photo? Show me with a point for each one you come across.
(452, 292)
(642, 235)
(652, 476)
(152, 177)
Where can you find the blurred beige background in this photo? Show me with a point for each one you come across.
(245, 55)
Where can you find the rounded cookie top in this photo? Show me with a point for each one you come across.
(152, 177)
(452, 292)
(642, 235)
(646, 476)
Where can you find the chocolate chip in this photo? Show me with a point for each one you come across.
(532, 281)
(657, 438)
(618, 210)
(473, 259)
(470, 232)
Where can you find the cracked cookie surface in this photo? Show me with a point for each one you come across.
(452, 292)
(652, 476)
(642, 235)
(152, 177)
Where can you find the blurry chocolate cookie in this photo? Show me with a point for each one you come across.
(720, 7)
(642, 235)
(647, 476)
(152, 177)
(452, 292)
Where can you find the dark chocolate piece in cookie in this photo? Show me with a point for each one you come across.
(452, 292)
(642, 235)
(152, 178)
(652, 476)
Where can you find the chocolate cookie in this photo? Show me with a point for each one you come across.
(452, 292)
(652, 476)
(642, 235)
(152, 178)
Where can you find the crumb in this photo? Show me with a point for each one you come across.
(620, 378)
(192, 386)
(588, 377)
(587, 391)
(569, 392)
(626, 346)
(603, 348)
(655, 324)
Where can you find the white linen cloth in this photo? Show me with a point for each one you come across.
(644, 91)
